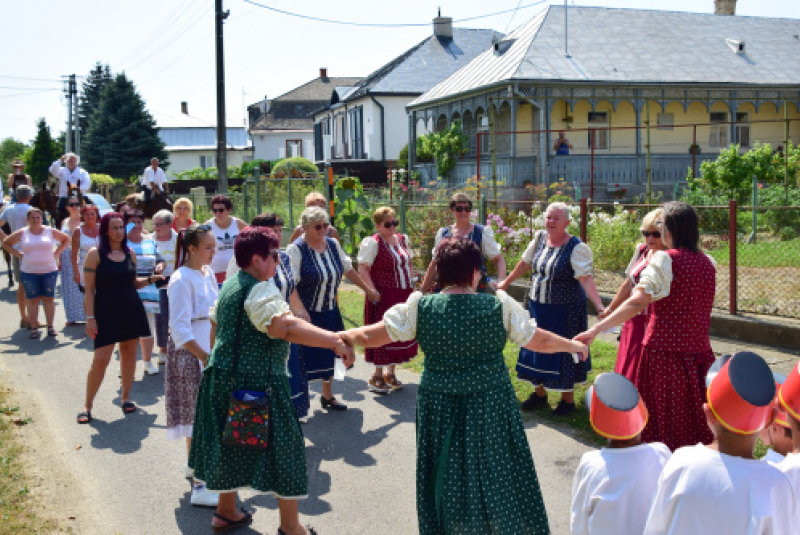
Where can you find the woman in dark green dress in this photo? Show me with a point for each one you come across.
(265, 327)
(475, 472)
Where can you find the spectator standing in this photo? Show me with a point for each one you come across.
(225, 229)
(70, 291)
(69, 176)
(153, 180)
(193, 292)
(114, 312)
(562, 280)
(148, 262)
(182, 208)
(384, 262)
(83, 239)
(166, 245)
(317, 199)
(39, 249)
(562, 144)
(16, 215)
(18, 178)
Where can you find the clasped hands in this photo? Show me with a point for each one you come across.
(344, 349)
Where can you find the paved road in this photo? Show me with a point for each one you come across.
(120, 474)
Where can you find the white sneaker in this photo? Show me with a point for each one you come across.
(119, 371)
(303, 419)
(203, 497)
(189, 472)
(150, 368)
(162, 358)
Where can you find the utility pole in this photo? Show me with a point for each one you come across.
(222, 141)
(75, 122)
(69, 91)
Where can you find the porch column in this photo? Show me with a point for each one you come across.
(513, 143)
(733, 106)
(544, 142)
(637, 107)
(412, 140)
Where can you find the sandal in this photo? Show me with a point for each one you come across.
(392, 382)
(128, 407)
(84, 417)
(34, 333)
(309, 529)
(376, 384)
(246, 520)
(51, 331)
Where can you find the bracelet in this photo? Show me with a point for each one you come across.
(89, 317)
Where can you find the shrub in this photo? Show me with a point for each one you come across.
(300, 168)
(787, 234)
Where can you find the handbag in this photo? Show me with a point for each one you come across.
(247, 424)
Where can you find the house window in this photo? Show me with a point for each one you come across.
(357, 132)
(718, 131)
(319, 154)
(483, 127)
(206, 162)
(294, 147)
(743, 129)
(664, 121)
(326, 126)
(598, 124)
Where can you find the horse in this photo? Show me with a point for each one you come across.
(46, 200)
(157, 202)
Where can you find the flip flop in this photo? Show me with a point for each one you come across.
(246, 520)
(84, 417)
(51, 331)
(128, 407)
(34, 335)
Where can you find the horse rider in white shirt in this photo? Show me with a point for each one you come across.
(69, 176)
(153, 179)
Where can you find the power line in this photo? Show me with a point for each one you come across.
(512, 17)
(27, 88)
(385, 25)
(31, 79)
(27, 93)
(168, 22)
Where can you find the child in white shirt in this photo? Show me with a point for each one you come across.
(614, 487)
(722, 488)
(778, 433)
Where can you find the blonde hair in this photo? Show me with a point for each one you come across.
(313, 197)
(559, 206)
(460, 197)
(651, 218)
(313, 214)
(186, 201)
(381, 213)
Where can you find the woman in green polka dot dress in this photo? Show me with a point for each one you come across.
(475, 473)
(251, 304)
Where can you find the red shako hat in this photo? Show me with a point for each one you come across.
(741, 391)
(789, 394)
(616, 410)
(779, 415)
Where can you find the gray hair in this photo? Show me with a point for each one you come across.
(164, 215)
(24, 192)
(313, 214)
(559, 206)
(70, 155)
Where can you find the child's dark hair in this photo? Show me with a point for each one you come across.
(191, 235)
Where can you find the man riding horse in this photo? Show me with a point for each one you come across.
(154, 191)
(71, 180)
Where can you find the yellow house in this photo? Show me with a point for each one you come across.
(610, 79)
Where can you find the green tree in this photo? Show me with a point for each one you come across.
(122, 134)
(43, 153)
(91, 91)
(10, 149)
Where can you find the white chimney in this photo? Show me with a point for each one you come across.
(185, 108)
(724, 7)
(443, 27)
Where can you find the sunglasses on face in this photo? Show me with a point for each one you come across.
(321, 226)
(206, 228)
(460, 209)
(218, 210)
(73, 205)
(390, 224)
(656, 234)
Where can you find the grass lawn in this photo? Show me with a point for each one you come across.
(604, 355)
(762, 254)
(17, 507)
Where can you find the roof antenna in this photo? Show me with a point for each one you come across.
(440, 11)
(566, 30)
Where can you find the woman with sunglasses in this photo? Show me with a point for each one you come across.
(483, 236)
(629, 351)
(83, 239)
(70, 292)
(225, 229)
(318, 264)
(384, 262)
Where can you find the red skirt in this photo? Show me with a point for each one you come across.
(629, 352)
(397, 352)
(672, 386)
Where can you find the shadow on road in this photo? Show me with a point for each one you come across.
(123, 435)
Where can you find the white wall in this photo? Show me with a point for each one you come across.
(272, 145)
(185, 160)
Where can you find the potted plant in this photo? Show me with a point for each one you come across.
(616, 191)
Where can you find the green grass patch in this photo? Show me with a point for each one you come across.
(18, 510)
(762, 254)
(604, 355)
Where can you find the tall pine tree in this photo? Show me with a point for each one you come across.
(45, 152)
(89, 99)
(122, 134)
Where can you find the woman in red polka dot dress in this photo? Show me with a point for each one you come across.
(680, 282)
(384, 262)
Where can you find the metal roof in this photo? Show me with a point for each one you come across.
(426, 64)
(636, 46)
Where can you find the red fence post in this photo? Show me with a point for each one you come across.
(732, 260)
(584, 220)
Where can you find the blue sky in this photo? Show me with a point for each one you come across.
(167, 46)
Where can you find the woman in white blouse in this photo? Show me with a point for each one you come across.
(481, 235)
(562, 280)
(192, 292)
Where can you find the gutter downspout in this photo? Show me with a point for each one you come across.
(383, 128)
